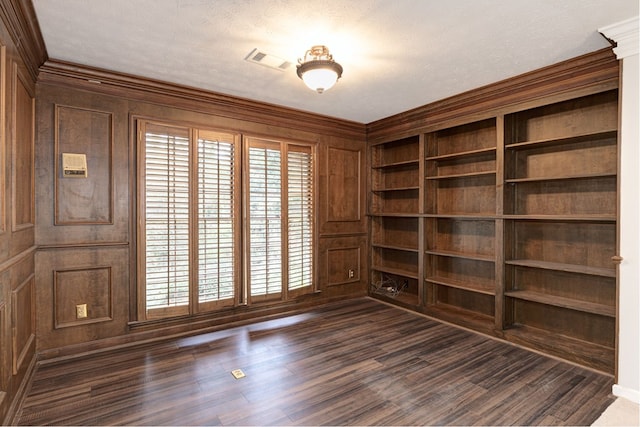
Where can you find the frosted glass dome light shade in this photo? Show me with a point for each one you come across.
(319, 71)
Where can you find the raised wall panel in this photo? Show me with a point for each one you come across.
(3, 148)
(336, 256)
(3, 352)
(92, 210)
(91, 286)
(23, 322)
(22, 153)
(343, 197)
(84, 200)
(343, 265)
(341, 189)
(96, 276)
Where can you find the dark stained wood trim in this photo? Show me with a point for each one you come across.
(593, 72)
(20, 19)
(21, 392)
(7, 264)
(154, 91)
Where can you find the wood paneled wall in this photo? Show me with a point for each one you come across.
(17, 203)
(85, 227)
(66, 241)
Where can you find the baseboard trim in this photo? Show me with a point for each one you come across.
(16, 403)
(627, 393)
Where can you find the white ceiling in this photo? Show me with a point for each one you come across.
(396, 54)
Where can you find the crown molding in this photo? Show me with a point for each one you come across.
(594, 72)
(132, 87)
(625, 34)
(20, 20)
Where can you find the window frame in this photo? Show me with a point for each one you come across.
(193, 306)
(284, 148)
(242, 295)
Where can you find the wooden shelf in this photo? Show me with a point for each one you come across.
(404, 163)
(462, 175)
(395, 271)
(403, 299)
(491, 199)
(557, 301)
(395, 247)
(395, 214)
(595, 356)
(463, 217)
(462, 154)
(402, 141)
(570, 268)
(381, 190)
(462, 317)
(458, 285)
(562, 218)
(560, 178)
(610, 133)
(477, 257)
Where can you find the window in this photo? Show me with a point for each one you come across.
(280, 219)
(189, 243)
(191, 258)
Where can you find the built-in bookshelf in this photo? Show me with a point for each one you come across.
(394, 209)
(560, 232)
(460, 211)
(507, 225)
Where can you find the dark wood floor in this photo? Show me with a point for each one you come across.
(357, 362)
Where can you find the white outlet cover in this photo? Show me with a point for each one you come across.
(237, 374)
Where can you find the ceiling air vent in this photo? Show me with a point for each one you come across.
(268, 60)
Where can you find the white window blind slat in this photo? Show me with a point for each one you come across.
(216, 222)
(300, 217)
(265, 232)
(166, 219)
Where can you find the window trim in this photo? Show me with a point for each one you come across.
(193, 307)
(241, 292)
(283, 145)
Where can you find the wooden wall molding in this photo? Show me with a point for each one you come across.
(340, 261)
(22, 152)
(3, 140)
(91, 285)
(90, 132)
(19, 18)
(7, 264)
(342, 190)
(23, 321)
(593, 72)
(343, 198)
(154, 91)
(4, 353)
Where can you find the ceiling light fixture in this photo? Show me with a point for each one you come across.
(318, 70)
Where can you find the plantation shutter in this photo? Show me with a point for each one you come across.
(265, 221)
(217, 222)
(191, 256)
(300, 217)
(166, 220)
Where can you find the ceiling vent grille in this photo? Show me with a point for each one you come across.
(267, 60)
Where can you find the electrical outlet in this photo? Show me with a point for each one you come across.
(81, 311)
(351, 274)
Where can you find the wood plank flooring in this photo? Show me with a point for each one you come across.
(356, 362)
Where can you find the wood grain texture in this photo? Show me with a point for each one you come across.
(356, 362)
(88, 200)
(590, 73)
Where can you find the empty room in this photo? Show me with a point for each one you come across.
(276, 212)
